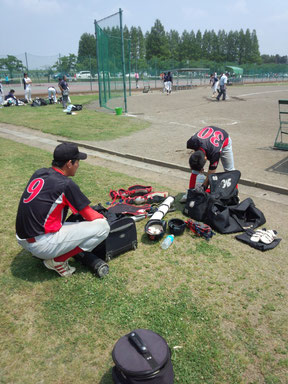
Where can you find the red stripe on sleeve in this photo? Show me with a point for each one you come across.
(90, 214)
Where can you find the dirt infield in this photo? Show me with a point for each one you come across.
(250, 115)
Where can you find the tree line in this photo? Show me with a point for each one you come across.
(159, 49)
(174, 50)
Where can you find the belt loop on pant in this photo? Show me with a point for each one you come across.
(31, 240)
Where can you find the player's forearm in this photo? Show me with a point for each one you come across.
(89, 214)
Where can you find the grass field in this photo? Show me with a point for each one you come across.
(86, 125)
(221, 306)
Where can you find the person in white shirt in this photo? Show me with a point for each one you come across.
(223, 85)
(27, 87)
(52, 94)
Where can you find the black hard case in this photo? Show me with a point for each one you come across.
(134, 367)
(122, 238)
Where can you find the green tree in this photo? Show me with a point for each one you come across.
(141, 44)
(241, 46)
(222, 42)
(185, 53)
(11, 63)
(126, 37)
(174, 44)
(255, 56)
(232, 52)
(267, 59)
(198, 45)
(206, 44)
(215, 54)
(87, 47)
(66, 64)
(156, 42)
(134, 48)
(137, 48)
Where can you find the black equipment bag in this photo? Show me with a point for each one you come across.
(197, 204)
(77, 107)
(23, 100)
(223, 186)
(223, 189)
(122, 238)
(140, 357)
(235, 218)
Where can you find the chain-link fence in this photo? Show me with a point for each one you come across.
(112, 62)
(83, 74)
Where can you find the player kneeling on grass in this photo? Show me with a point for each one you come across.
(210, 143)
(40, 224)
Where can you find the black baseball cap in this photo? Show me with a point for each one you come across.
(68, 151)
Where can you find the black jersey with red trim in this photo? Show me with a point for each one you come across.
(44, 204)
(210, 140)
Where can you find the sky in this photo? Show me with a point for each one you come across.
(53, 27)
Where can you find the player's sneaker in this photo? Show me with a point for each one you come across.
(61, 267)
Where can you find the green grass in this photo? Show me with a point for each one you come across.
(222, 307)
(87, 124)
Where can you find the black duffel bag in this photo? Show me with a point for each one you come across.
(235, 218)
(223, 189)
(141, 357)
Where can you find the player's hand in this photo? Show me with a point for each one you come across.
(200, 188)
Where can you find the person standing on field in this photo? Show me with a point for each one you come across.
(137, 79)
(215, 82)
(27, 87)
(168, 81)
(223, 86)
(63, 85)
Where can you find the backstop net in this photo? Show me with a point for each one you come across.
(113, 62)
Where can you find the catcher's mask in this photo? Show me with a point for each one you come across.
(155, 229)
(176, 226)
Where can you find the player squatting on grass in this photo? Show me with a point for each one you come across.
(40, 224)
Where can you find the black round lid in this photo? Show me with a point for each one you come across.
(129, 360)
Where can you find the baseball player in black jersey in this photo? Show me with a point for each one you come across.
(40, 224)
(210, 143)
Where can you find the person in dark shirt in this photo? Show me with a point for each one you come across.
(40, 223)
(11, 95)
(215, 82)
(168, 81)
(63, 85)
(212, 144)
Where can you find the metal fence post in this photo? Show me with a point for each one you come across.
(123, 59)
(97, 55)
